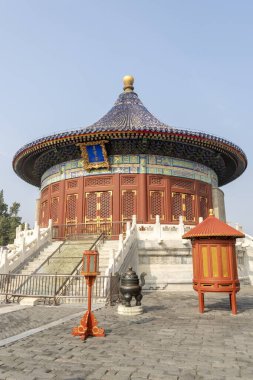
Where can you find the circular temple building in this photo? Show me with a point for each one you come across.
(128, 163)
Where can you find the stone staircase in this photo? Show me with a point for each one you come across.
(68, 256)
(40, 258)
(61, 259)
(57, 258)
(104, 255)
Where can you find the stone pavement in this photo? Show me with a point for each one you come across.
(171, 340)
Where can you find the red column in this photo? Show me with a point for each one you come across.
(116, 205)
(142, 205)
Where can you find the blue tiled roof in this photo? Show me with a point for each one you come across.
(129, 114)
(124, 127)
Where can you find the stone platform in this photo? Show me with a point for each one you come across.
(169, 341)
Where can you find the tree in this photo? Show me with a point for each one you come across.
(3, 206)
(9, 220)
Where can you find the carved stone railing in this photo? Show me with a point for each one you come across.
(159, 232)
(26, 243)
(126, 253)
(244, 251)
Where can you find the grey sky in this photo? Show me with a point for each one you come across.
(62, 64)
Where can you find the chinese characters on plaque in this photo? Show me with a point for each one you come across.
(94, 155)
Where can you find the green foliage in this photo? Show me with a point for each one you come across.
(9, 220)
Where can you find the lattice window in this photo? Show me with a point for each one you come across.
(44, 193)
(203, 207)
(91, 205)
(44, 214)
(177, 209)
(128, 180)
(156, 203)
(71, 207)
(105, 205)
(101, 181)
(189, 207)
(128, 204)
(202, 188)
(182, 184)
(54, 209)
(155, 181)
(72, 184)
(55, 187)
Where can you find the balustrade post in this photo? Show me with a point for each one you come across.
(18, 230)
(181, 226)
(23, 247)
(128, 228)
(157, 229)
(120, 241)
(50, 228)
(8, 280)
(37, 233)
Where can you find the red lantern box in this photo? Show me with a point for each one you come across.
(90, 265)
(214, 259)
(88, 324)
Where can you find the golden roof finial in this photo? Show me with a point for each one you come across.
(211, 212)
(128, 81)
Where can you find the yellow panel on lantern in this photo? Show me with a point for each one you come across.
(224, 260)
(205, 261)
(194, 261)
(214, 261)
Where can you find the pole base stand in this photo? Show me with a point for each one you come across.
(88, 327)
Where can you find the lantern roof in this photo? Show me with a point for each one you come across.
(212, 227)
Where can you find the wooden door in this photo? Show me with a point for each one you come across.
(98, 210)
(183, 205)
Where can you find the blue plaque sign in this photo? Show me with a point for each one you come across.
(94, 155)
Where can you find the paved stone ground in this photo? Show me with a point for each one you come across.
(170, 341)
(30, 317)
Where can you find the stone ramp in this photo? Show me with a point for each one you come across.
(64, 260)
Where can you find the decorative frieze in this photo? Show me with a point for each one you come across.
(136, 164)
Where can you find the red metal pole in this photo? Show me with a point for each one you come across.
(89, 284)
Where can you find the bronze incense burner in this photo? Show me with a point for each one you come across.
(130, 287)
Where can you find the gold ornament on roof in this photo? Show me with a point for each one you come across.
(211, 212)
(128, 81)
